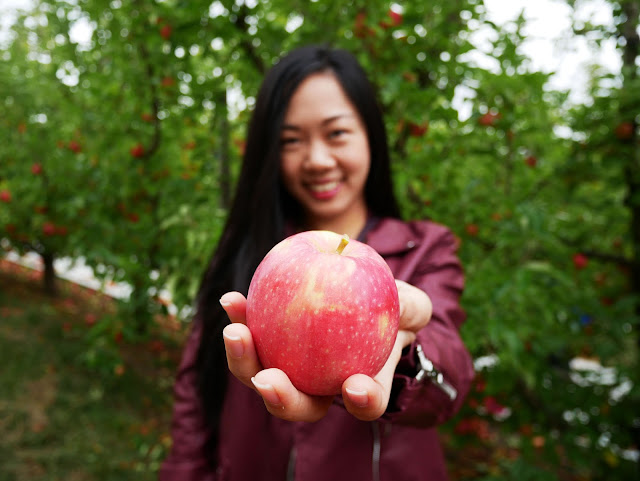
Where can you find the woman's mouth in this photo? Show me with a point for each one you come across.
(324, 190)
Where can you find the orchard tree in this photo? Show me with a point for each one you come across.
(547, 240)
(44, 163)
(607, 147)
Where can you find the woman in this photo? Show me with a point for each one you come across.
(317, 158)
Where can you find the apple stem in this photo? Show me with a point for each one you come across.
(343, 243)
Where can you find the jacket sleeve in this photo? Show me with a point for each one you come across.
(438, 272)
(186, 460)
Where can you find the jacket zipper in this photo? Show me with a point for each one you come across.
(375, 458)
(291, 467)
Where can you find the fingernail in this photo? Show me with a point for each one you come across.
(224, 303)
(359, 398)
(234, 346)
(267, 392)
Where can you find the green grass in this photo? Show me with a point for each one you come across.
(63, 420)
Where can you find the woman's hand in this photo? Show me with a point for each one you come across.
(280, 397)
(415, 307)
(367, 398)
(364, 397)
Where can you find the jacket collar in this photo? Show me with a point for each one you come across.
(391, 236)
(387, 235)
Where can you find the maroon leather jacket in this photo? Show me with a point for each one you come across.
(402, 445)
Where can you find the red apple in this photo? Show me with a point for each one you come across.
(322, 308)
(137, 151)
(167, 82)
(531, 161)
(75, 146)
(36, 169)
(624, 131)
(489, 119)
(396, 20)
(5, 196)
(90, 319)
(49, 228)
(580, 261)
(359, 27)
(418, 130)
(472, 229)
(165, 32)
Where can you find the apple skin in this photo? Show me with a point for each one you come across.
(321, 316)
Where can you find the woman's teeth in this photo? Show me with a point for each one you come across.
(323, 187)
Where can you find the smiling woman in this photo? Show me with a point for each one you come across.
(317, 157)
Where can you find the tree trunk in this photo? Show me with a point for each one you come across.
(49, 277)
(138, 305)
(631, 51)
(223, 152)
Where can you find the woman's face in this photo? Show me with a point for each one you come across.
(325, 156)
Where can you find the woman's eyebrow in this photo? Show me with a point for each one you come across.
(336, 117)
(326, 121)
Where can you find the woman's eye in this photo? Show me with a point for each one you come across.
(288, 141)
(337, 133)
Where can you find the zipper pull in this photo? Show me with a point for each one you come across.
(427, 369)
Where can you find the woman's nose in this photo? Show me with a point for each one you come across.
(319, 156)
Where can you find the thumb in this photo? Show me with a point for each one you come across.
(235, 305)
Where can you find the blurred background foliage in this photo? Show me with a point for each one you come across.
(121, 147)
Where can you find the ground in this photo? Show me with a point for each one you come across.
(74, 406)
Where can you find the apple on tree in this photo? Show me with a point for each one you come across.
(74, 146)
(624, 130)
(472, 229)
(396, 20)
(48, 228)
(489, 119)
(165, 31)
(137, 151)
(418, 130)
(580, 261)
(322, 308)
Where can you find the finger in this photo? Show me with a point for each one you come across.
(235, 306)
(367, 398)
(284, 401)
(415, 307)
(241, 353)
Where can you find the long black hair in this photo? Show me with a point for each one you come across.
(262, 206)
